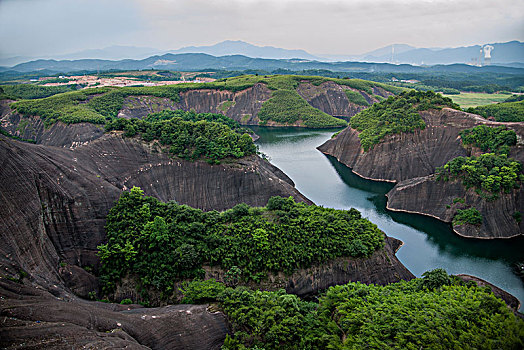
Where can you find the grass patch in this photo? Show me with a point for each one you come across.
(356, 98)
(288, 107)
(224, 106)
(474, 99)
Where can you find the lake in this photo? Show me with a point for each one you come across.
(428, 243)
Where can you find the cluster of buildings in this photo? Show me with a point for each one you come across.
(89, 81)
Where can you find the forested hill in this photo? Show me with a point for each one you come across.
(200, 61)
(251, 99)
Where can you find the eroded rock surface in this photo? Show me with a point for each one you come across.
(426, 196)
(32, 318)
(410, 158)
(242, 106)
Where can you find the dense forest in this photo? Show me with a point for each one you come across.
(502, 112)
(490, 139)
(395, 115)
(161, 243)
(435, 312)
(32, 91)
(187, 139)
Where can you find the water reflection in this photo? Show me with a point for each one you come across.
(428, 243)
(439, 233)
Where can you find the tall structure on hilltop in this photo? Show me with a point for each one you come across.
(480, 57)
(487, 54)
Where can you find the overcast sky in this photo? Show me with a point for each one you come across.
(47, 27)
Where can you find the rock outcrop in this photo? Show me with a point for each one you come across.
(32, 318)
(55, 200)
(331, 98)
(410, 158)
(242, 106)
(424, 195)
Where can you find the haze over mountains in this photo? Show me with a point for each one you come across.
(502, 54)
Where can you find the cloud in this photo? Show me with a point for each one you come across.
(335, 26)
(328, 26)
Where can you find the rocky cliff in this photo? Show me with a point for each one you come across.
(54, 201)
(410, 159)
(331, 98)
(243, 106)
(424, 195)
(33, 318)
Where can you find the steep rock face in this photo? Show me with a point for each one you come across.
(410, 159)
(33, 318)
(242, 106)
(426, 196)
(331, 98)
(58, 134)
(141, 106)
(408, 155)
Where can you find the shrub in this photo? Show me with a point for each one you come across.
(467, 216)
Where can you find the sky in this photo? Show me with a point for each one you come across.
(38, 28)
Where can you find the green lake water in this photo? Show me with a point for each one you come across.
(428, 243)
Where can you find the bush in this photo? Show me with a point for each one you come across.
(489, 172)
(435, 279)
(490, 139)
(467, 216)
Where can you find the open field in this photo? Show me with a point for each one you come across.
(473, 99)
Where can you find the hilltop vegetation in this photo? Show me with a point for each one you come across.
(396, 115)
(190, 137)
(98, 105)
(435, 312)
(489, 172)
(165, 242)
(502, 112)
(32, 91)
(490, 139)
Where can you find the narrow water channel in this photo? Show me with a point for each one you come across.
(428, 243)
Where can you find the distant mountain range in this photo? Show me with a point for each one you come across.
(230, 47)
(502, 54)
(200, 61)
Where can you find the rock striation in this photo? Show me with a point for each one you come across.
(331, 98)
(424, 195)
(242, 106)
(409, 159)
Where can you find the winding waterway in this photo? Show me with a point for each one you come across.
(428, 243)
